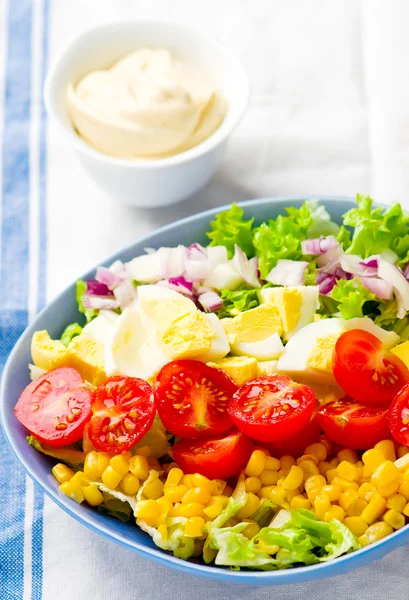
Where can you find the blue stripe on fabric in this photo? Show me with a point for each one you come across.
(14, 273)
(37, 534)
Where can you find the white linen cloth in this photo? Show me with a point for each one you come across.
(329, 114)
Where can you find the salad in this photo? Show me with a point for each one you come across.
(246, 403)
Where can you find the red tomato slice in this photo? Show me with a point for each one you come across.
(296, 444)
(354, 425)
(271, 409)
(123, 410)
(55, 407)
(216, 458)
(192, 399)
(398, 416)
(365, 371)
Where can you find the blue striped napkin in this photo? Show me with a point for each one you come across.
(23, 52)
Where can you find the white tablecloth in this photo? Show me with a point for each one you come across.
(329, 114)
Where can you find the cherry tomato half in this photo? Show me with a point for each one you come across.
(273, 408)
(354, 425)
(398, 416)
(365, 371)
(296, 444)
(55, 407)
(123, 410)
(192, 399)
(216, 458)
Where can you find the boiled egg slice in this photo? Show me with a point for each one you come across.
(296, 306)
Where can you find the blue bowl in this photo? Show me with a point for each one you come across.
(63, 310)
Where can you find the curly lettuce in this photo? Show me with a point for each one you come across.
(80, 290)
(351, 297)
(230, 228)
(237, 301)
(69, 332)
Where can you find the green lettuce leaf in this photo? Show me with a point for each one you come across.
(69, 332)
(351, 297)
(235, 550)
(386, 316)
(229, 228)
(237, 301)
(116, 508)
(80, 290)
(344, 237)
(321, 223)
(378, 229)
(69, 455)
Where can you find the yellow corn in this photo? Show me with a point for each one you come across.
(385, 473)
(324, 467)
(92, 465)
(163, 531)
(366, 491)
(120, 464)
(300, 502)
(405, 509)
(228, 491)
(375, 532)
(219, 486)
(307, 457)
(290, 494)
(194, 527)
(348, 471)
(103, 461)
(322, 504)
(335, 512)
(402, 451)
(294, 478)
(356, 525)
(191, 510)
(169, 466)
(331, 474)
(387, 447)
(200, 481)
(138, 465)
(174, 477)
(154, 489)
(394, 518)
(388, 489)
(345, 484)
(309, 468)
(333, 491)
(196, 494)
(252, 484)
(111, 478)
(404, 489)
(73, 492)
(263, 450)
(347, 497)
(175, 493)
(334, 461)
(92, 495)
(273, 549)
(374, 509)
(275, 493)
(357, 507)
(252, 504)
(251, 530)
(187, 481)
(366, 473)
(214, 508)
(287, 461)
(272, 464)
(147, 509)
(129, 484)
(268, 477)
(318, 450)
(402, 463)
(397, 502)
(313, 485)
(282, 474)
(256, 463)
(373, 458)
(62, 473)
(348, 455)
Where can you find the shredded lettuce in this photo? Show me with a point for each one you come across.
(351, 297)
(237, 301)
(229, 228)
(68, 454)
(69, 332)
(115, 508)
(80, 290)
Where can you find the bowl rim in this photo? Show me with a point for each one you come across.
(322, 570)
(215, 138)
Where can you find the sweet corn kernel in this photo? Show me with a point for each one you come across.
(334, 491)
(334, 461)
(366, 473)
(251, 530)
(359, 464)
(103, 461)
(331, 473)
(275, 493)
(404, 489)
(387, 447)
(147, 509)
(154, 489)
(272, 464)
(200, 481)
(252, 504)
(348, 455)
(300, 502)
(397, 502)
(394, 518)
(324, 467)
(273, 549)
(402, 463)
(256, 463)
(169, 466)
(120, 463)
(253, 484)
(228, 490)
(92, 495)
(62, 473)
(404, 476)
(191, 510)
(163, 531)
(326, 442)
(373, 458)
(263, 449)
(356, 525)
(197, 494)
(79, 479)
(366, 491)
(405, 509)
(388, 489)
(282, 474)
(187, 481)
(345, 484)
(175, 493)
(374, 510)
(335, 512)
(268, 477)
(307, 457)
(347, 497)
(294, 478)
(348, 471)
(174, 477)
(309, 468)
(281, 480)
(92, 466)
(290, 494)
(385, 473)
(318, 450)
(144, 451)
(357, 507)
(129, 484)
(111, 478)
(194, 527)
(287, 461)
(375, 532)
(402, 451)
(313, 485)
(73, 492)
(218, 487)
(138, 465)
(214, 509)
(322, 504)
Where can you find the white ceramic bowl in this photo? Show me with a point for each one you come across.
(162, 181)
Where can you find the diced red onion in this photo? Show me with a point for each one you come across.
(319, 246)
(217, 255)
(327, 281)
(382, 289)
(125, 293)
(351, 263)
(178, 284)
(210, 301)
(247, 269)
(196, 247)
(288, 272)
(394, 276)
(173, 261)
(108, 277)
(96, 288)
(100, 302)
(197, 265)
(371, 261)
(406, 271)
(148, 268)
(329, 261)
